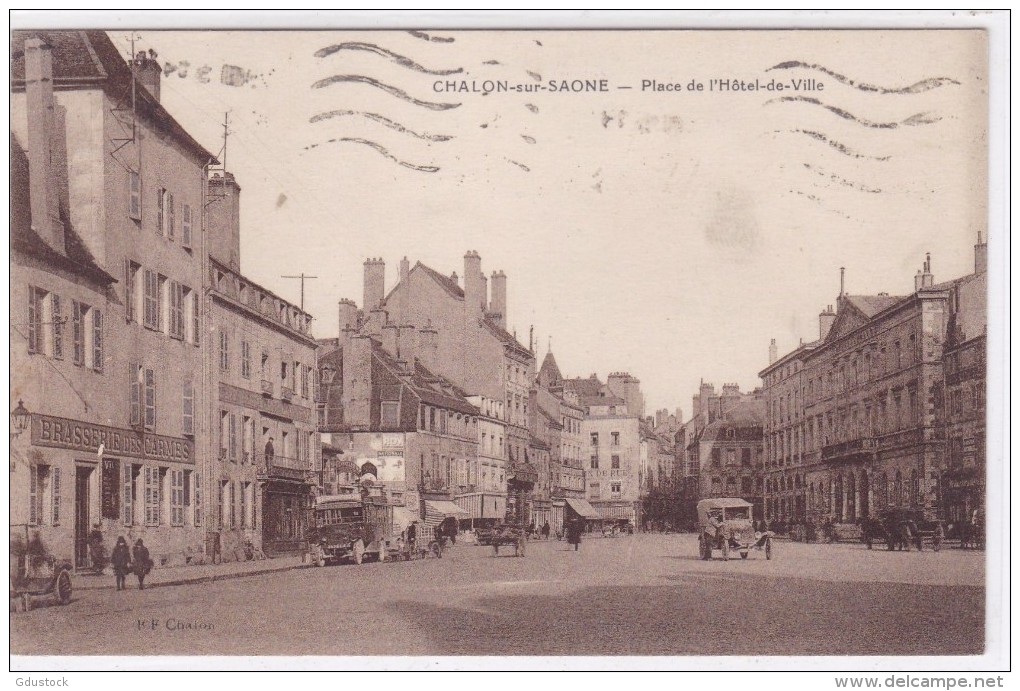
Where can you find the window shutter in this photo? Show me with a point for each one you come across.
(55, 479)
(233, 505)
(170, 215)
(196, 317)
(33, 329)
(198, 498)
(189, 408)
(136, 394)
(97, 340)
(135, 193)
(232, 440)
(58, 328)
(77, 334)
(129, 292)
(150, 399)
(33, 494)
(180, 310)
(129, 509)
(159, 209)
(186, 228)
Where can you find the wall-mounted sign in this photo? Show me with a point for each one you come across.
(62, 433)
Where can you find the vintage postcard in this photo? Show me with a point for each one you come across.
(445, 343)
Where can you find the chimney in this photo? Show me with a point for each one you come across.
(42, 182)
(980, 256)
(474, 285)
(428, 346)
(497, 305)
(224, 220)
(348, 321)
(773, 352)
(357, 382)
(924, 278)
(375, 283)
(407, 343)
(404, 296)
(842, 281)
(391, 338)
(455, 278)
(147, 72)
(825, 321)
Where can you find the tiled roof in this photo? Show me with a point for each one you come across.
(590, 386)
(505, 336)
(600, 400)
(76, 256)
(447, 283)
(550, 371)
(81, 58)
(870, 305)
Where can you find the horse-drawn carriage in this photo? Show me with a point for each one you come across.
(901, 529)
(503, 535)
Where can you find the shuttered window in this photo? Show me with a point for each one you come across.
(176, 310)
(152, 492)
(129, 494)
(189, 408)
(35, 329)
(232, 440)
(198, 498)
(150, 399)
(160, 198)
(186, 227)
(177, 497)
(150, 316)
(135, 196)
(196, 317)
(135, 381)
(58, 326)
(171, 214)
(55, 480)
(97, 340)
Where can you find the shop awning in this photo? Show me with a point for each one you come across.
(402, 517)
(582, 508)
(436, 511)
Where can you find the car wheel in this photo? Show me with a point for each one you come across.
(768, 548)
(64, 588)
(358, 551)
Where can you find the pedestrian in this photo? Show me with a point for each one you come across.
(938, 537)
(270, 451)
(545, 530)
(531, 529)
(121, 560)
(412, 534)
(142, 562)
(574, 534)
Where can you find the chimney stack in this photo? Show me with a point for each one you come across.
(42, 182)
(842, 281)
(455, 278)
(497, 305)
(348, 320)
(224, 220)
(825, 321)
(474, 284)
(404, 296)
(980, 256)
(428, 346)
(375, 283)
(924, 279)
(773, 352)
(147, 71)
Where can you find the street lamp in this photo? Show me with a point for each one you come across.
(19, 419)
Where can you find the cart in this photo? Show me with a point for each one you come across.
(39, 575)
(508, 536)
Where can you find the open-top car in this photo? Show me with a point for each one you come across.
(725, 525)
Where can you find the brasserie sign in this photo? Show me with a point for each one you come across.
(84, 436)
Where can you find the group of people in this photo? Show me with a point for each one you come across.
(127, 560)
(543, 531)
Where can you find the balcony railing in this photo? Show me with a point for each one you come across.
(286, 394)
(285, 467)
(267, 388)
(848, 449)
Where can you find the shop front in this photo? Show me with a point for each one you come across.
(484, 509)
(285, 505)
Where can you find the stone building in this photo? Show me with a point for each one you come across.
(722, 450)
(263, 391)
(962, 489)
(107, 332)
(457, 333)
(853, 419)
(409, 433)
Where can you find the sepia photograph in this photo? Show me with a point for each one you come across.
(479, 342)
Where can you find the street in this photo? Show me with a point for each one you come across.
(633, 595)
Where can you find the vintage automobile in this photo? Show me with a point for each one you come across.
(726, 525)
(344, 527)
(37, 574)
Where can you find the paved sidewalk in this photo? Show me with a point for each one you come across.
(180, 575)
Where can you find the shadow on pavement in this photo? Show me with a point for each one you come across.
(736, 615)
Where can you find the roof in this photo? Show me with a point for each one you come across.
(589, 401)
(550, 371)
(870, 305)
(429, 387)
(590, 386)
(722, 503)
(84, 58)
(447, 283)
(505, 336)
(76, 256)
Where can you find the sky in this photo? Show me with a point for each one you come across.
(667, 233)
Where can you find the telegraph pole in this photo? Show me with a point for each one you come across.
(302, 277)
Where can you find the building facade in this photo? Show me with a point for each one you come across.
(107, 329)
(854, 423)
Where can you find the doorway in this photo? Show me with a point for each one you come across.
(82, 517)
